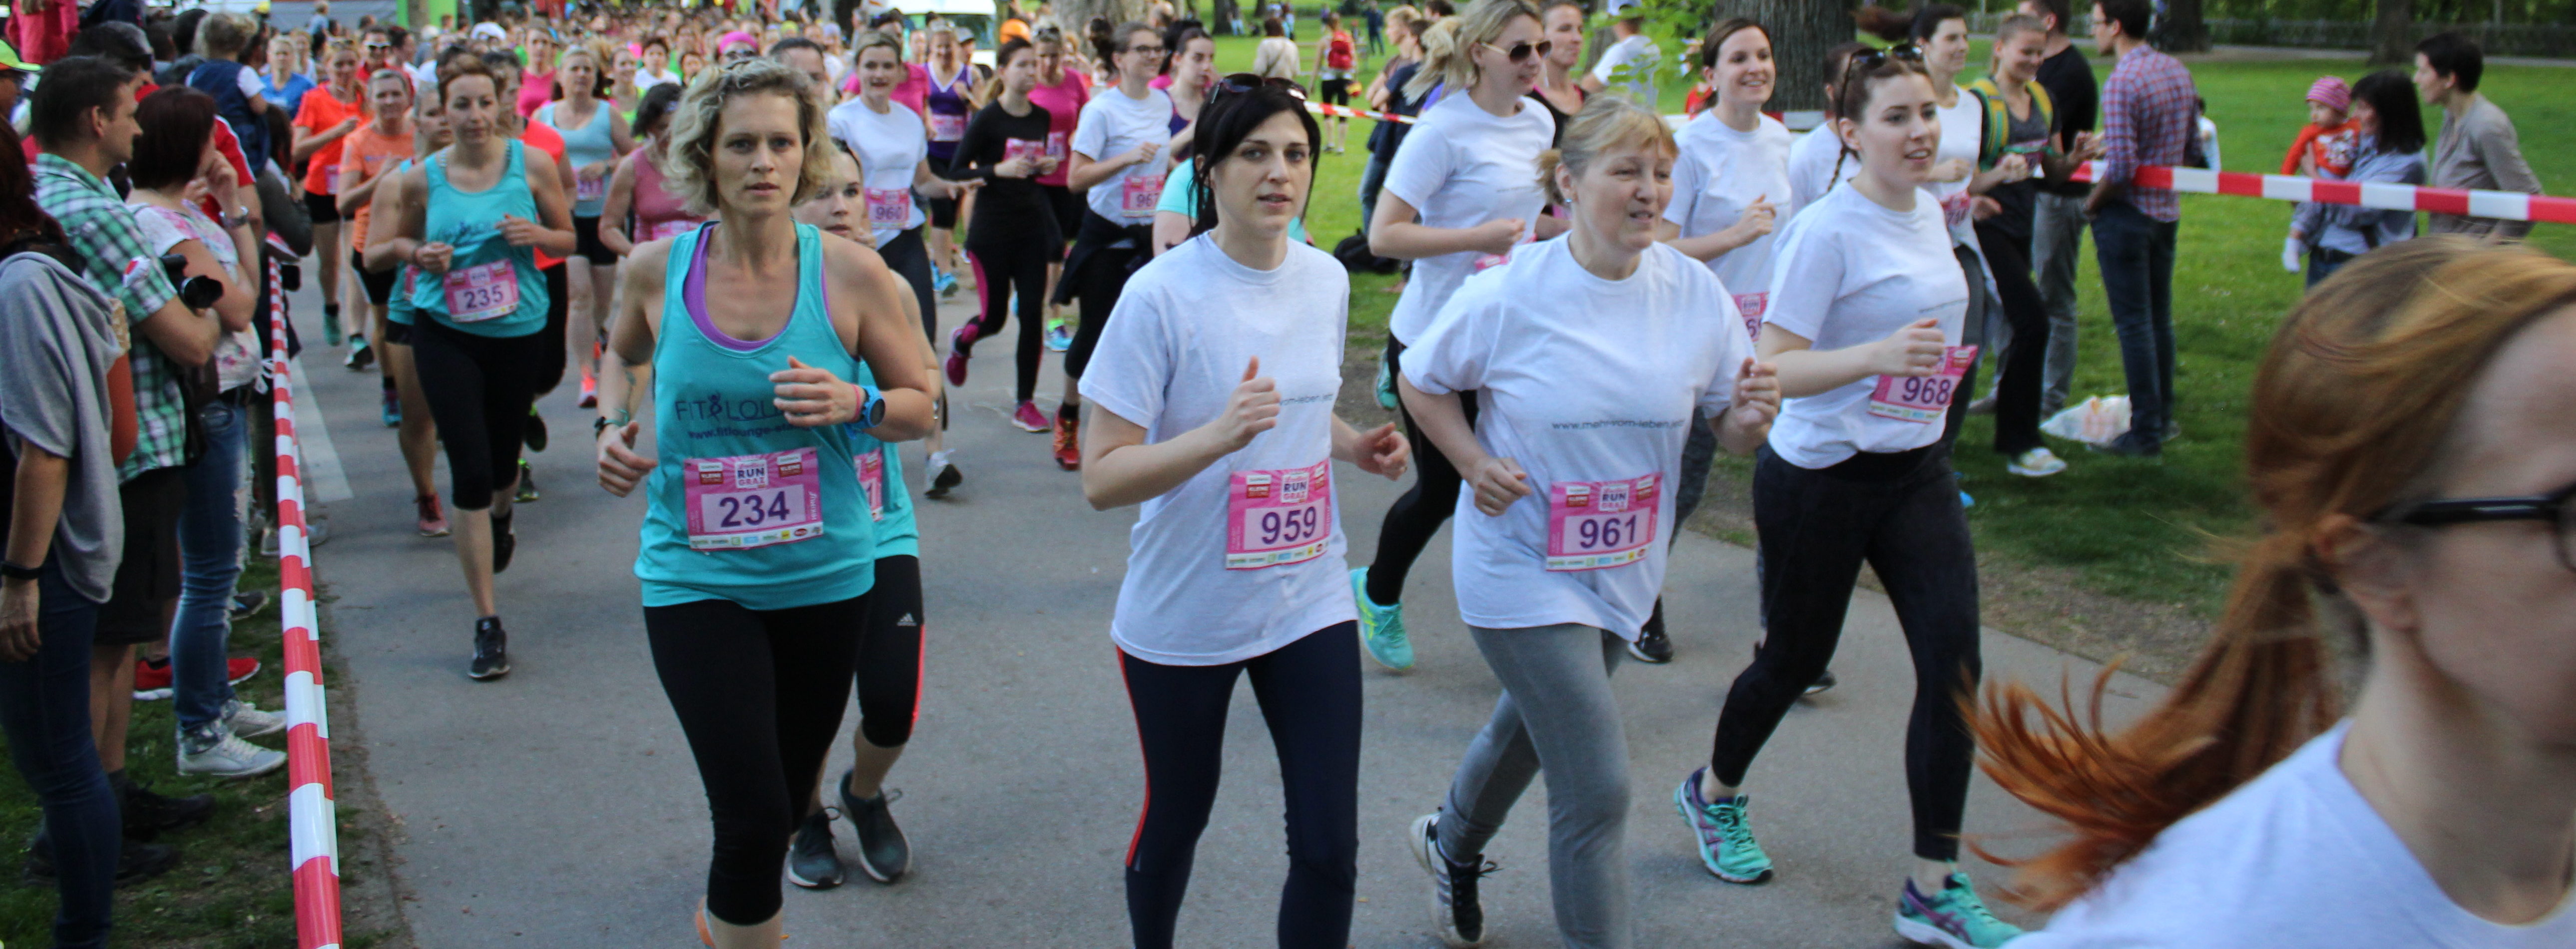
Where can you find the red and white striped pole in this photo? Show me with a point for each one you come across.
(1343, 111)
(2506, 205)
(312, 820)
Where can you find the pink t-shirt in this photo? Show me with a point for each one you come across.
(536, 89)
(1063, 102)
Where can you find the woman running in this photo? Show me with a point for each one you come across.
(1014, 231)
(1571, 343)
(470, 218)
(594, 137)
(1062, 90)
(1559, 88)
(1192, 72)
(329, 113)
(1118, 163)
(2409, 454)
(418, 434)
(1816, 161)
(947, 103)
(889, 656)
(1213, 409)
(635, 192)
(756, 558)
(365, 157)
(1456, 201)
(1864, 317)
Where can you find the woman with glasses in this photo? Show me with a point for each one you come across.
(1864, 317)
(1213, 411)
(2411, 456)
(1458, 198)
(1118, 161)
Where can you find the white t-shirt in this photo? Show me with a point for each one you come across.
(1721, 172)
(1582, 381)
(2294, 859)
(1963, 126)
(236, 356)
(1638, 48)
(890, 149)
(1848, 272)
(1111, 125)
(1811, 169)
(1173, 353)
(1461, 167)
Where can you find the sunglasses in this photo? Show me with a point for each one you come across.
(1243, 82)
(2554, 507)
(1873, 58)
(1521, 52)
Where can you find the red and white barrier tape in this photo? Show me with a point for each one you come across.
(2507, 205)
(312, 820)
(1344, 111)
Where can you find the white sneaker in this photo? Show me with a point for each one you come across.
(223, 754)
(2036, 463)
(243, 719)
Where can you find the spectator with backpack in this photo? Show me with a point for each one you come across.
(1334, 62)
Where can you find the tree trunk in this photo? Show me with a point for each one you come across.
(2181, 30)
(1801, 31)
(1075, 16)
(2392, 33)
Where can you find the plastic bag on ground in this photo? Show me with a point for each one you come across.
(2099, 420)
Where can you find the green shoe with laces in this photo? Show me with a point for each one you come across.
(1726, 844)
(1381, 627)
(1954, 917)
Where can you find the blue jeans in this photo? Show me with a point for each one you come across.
(210, 544)
(44, 709)
(1372, 181)
(2136, 253)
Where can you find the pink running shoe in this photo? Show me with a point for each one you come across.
(1029, 419)
(958, 344)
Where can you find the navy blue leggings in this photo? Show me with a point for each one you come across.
(1310, 696)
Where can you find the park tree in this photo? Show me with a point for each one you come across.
(2392, 32)
(1073, 15)
(1801, 31)
(2181, 29)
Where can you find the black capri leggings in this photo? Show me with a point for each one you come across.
(909, 257)
(1097, 273)
(759, 694)
(558, 315)
(479, 395)
(889, 662)
(1419, 512)
(2024, 358)
(1899, 513)
(1001, 272)
(1310, 696)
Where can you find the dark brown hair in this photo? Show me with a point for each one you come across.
(176, 121)
(20, 217)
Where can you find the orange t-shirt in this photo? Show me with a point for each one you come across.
(374, 153)
(541, 138)
(318, 114)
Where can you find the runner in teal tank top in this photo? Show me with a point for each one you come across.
(758, 553)
(594, 137)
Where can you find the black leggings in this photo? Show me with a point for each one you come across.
(2017, 389)
(1310, 696)
(558, 323)
(1418, 514)
(889, 662)
(759, 694)
(479, 392)
(1900, 514)
(907, 256)
(1000, 272)
(1097, 273)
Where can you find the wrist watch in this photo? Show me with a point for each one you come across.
(237, 217)
(872, 407)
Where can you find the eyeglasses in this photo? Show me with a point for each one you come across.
(1147, 50)
(2553, 507)
(1243, 82)
(1520, 52)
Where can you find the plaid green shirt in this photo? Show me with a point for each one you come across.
(103, 231)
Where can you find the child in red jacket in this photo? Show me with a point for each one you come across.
(2325, 147)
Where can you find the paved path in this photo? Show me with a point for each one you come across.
(559, 807)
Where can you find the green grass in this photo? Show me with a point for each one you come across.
(2128, 529)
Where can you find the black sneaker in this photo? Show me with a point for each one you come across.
(148, 815)
(526, 492)
(945, 477)
(884, 854)
(361, 356)
(1455, 909)
(2132, 445)
(1824, 680)
(135, 861)
(491, 650)
(505, 542)
(533, 431)
(248, 603)
(1650, 645)
(811, 861)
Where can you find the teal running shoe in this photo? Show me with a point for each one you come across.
(1726, 844)
(1385, 386)
(1059, 335)
(1954, 917)
(1381, 627)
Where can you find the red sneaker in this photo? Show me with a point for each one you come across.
(152, 680)
(589, 390)
(432, 521)
(1068, 443)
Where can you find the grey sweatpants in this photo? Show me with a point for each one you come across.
(1556, 714)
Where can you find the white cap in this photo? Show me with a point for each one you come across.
(491, 31)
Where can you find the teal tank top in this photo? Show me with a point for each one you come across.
(398, 308)
(897, 534)
(595, 142)
(490, 288)
(743, 506)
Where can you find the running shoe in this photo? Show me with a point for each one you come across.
(331, 334)
(248, 721)
(1386, 386)
(1726, 844)
(1029, 419)
(1824, 680)
(491, 651)
(152, 676)
(944, 476)
(505, 542)
(527, 492)
(360, 357)
(135, 861)
(1954, 917)
(1068, 443)
(216, 751)
(589, 389)
(1966, 501)
(1455, 909)
(1651, 646)
(961, 347)
(942, 282)
(811, 861)
(389, 408)
(885, 855)
(430, 520)
(1381, 627)
(247, 604)
(2035, 463)
(1059, 336)
(148, 815)
(533, 431)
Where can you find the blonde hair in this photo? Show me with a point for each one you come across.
(1448, 50)
(688, 163)
(223, 35)
(873, 39)
(1604, 125)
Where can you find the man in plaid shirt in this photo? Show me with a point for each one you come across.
(2150, 113)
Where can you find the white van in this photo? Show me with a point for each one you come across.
(978, 17)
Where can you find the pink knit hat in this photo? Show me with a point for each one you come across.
(739, 36)
(2330, 92)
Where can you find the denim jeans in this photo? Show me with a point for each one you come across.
(2057, 236)
(2323, 262)
(210, 546)
(44, 709)
(1372, 181)
(2136, 253)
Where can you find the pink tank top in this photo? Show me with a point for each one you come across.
(658, 213)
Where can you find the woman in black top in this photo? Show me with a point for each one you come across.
(1014, 230)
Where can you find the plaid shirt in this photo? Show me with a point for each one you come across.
(2149, 115)
(103, 231)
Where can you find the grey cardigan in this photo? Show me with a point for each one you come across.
(2356, 230)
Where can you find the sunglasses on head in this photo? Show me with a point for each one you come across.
(1520, 52)
(1243, 82)
(1873, 58)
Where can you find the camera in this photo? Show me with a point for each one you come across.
(197, 292)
